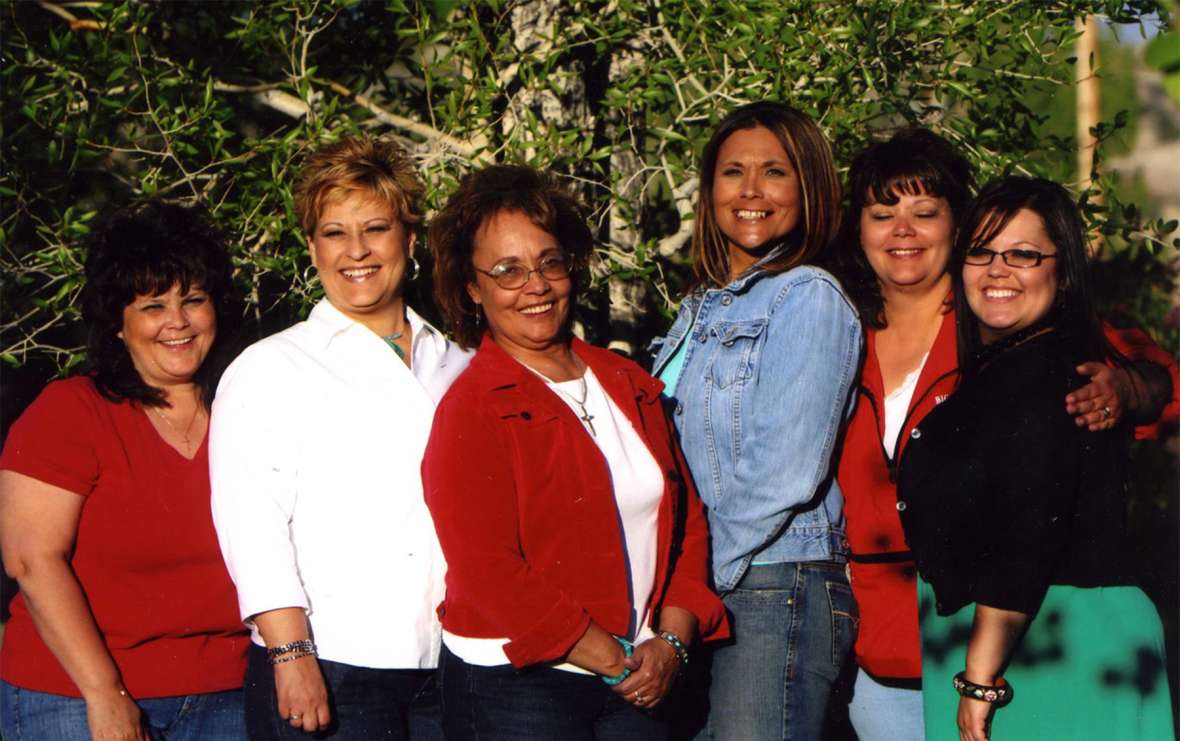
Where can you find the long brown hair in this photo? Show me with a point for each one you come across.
(810, 155)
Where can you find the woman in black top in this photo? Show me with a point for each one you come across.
(1007, 504)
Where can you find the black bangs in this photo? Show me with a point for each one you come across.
(989, 226)
(154, 280)
(886, 187)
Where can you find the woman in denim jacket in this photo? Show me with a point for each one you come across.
(759, 365)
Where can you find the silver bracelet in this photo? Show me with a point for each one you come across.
(304, 645)
(283, 659)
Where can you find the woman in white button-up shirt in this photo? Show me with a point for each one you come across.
(317, 437)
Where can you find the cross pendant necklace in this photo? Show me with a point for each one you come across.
(586, 416)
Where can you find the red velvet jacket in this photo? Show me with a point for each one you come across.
(525, 511)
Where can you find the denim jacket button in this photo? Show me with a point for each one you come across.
(726, 300)
(915, 433)
(679, 408)
(901, 506)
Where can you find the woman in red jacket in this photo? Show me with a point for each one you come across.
(576, 548)
(906, 197)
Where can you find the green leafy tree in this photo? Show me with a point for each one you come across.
(218, 102)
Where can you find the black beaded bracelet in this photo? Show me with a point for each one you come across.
(304, 645)
(1001, 694)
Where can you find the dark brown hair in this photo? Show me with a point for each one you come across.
(912, 161)
(480, 196)
(810, 155)
(147, 249)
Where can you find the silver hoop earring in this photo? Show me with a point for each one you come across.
(415, 269)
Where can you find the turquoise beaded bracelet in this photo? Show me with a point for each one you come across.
(677, 645)
(628, 649)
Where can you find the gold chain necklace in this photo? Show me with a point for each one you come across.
(188, 428)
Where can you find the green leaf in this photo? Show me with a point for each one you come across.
(1163, 52)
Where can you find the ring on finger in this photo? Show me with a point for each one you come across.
(1106, 413)
(638, 697)
(294, 717)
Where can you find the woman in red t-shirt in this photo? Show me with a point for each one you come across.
(126, 624)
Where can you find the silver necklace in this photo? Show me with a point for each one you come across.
(586, 417)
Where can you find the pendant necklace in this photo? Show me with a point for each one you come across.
(391, 340)
(586, 417)
(188, 428)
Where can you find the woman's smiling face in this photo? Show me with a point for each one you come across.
(756, 195)
(1007, 299)
(908, 243)
(360, 249)
(534, 316)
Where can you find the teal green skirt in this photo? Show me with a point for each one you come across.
(1091, 666)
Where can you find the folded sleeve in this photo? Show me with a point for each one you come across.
(469, 483)
(253, 470)
(54, 440)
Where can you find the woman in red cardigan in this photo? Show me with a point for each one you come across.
(576, 546)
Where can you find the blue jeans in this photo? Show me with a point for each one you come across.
(880, 712)
(27, 715)
(502, 703)
(386, 704)
(793, 629)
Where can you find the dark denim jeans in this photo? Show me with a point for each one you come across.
(793, 626)
(367, 704)
(27, 715)
(501, 703)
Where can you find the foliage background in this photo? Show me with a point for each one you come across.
(104, 102)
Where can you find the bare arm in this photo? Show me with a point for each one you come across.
(38, 530)
(299, 684)
(993, 638)
(597, 651)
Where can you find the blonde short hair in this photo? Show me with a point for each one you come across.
(378, 167)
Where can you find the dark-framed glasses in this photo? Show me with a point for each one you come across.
(513, 275)
(1011, 258)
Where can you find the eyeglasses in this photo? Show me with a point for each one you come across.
(513, 275)
(1012, 258)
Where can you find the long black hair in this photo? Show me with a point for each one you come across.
(147, 249)
(911, 162)
(994, 207)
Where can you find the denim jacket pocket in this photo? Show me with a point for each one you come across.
(741, 342)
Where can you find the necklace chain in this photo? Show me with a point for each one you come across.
(586, 417)
(188, 428)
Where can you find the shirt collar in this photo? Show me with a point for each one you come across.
(331, 323)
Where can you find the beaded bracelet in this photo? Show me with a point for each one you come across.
(1001, 694)
(677, 645)
(628, 649)
(304, 645)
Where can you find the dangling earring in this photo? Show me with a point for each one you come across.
(415, 269)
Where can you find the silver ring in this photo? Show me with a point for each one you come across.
(1106, 413)
(294, 716)
(638, 697)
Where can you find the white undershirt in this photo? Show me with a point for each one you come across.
(897, 404)
(638, 485)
